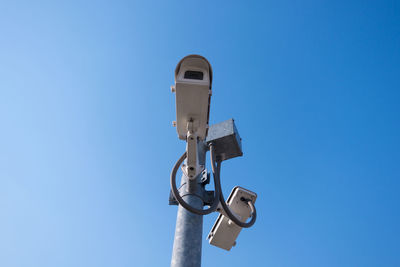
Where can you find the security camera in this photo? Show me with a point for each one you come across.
(225, 232)
(193, 78)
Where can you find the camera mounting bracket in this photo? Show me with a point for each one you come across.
(192, 167)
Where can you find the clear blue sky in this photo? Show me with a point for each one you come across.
(86, 142)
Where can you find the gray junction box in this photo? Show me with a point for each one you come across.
(226, 140)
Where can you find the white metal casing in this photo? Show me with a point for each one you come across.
(225, 232)
(193, 96)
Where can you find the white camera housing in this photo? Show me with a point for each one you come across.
(193, 78)
(225, 232)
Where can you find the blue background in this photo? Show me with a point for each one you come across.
(86, 142)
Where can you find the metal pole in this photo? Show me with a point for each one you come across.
(189, 226)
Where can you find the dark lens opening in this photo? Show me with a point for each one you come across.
(194, 75)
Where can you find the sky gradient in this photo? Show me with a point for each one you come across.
(87, 143)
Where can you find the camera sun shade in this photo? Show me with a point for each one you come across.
(226, 140)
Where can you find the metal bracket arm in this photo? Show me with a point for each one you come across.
(192, 165)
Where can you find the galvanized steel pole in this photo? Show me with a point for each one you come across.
(189, 226)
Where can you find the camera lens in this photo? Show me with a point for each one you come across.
(193, 75)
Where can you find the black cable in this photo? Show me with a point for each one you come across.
(182, 202)
(216, 172)
(218, 195)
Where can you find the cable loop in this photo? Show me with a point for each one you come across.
(218, 195)
(181, 201)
